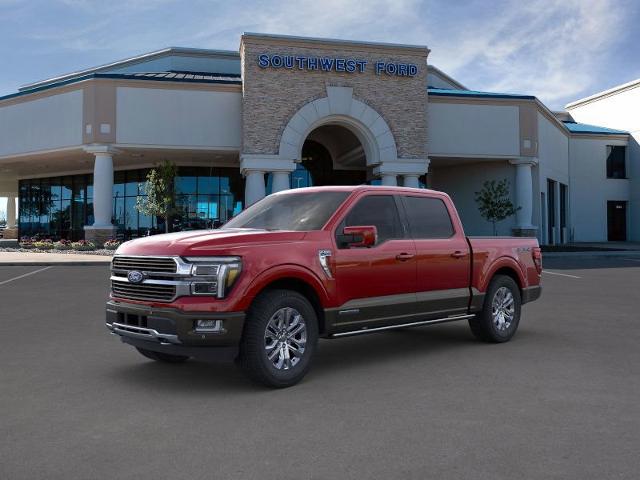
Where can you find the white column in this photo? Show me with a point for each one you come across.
(11, 212)
(254, 187)
(524, 192)
(409, 169)
(103, 190)
(280, 181)
(411, 181)
(389, 179)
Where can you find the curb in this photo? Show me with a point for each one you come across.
(617, 253)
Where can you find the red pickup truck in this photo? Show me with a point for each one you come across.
(325, 262)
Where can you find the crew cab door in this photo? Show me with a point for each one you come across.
(443, 256)
(375, 285)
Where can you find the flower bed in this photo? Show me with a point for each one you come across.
(46, 245)
(83, 245)
(112, 244)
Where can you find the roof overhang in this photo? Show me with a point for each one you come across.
(605, 93)
(145, 57)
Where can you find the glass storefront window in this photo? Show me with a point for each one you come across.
(119, 180)
(60, 207)
(131, 186)
(67, 188)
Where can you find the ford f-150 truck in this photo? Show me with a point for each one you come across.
(320, 262)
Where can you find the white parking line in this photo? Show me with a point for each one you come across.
(25, 275)
(561, 274)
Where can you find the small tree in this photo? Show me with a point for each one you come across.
(160, 193)
(494, 203)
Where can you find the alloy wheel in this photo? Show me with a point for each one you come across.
(285, 338)
(503, 309)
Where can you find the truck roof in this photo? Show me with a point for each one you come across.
(358, 188)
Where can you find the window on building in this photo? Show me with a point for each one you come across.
(616, 161)
(377, 210)
(207, 197)
(56, 207)
(60, 207)
(428, 217)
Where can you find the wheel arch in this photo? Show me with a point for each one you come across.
(297, 279)
(508, 267)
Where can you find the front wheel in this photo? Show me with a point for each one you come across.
(500, 315)
(279, 338)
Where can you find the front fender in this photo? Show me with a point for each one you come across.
(281, 272)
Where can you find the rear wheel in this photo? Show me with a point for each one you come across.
(500, 315)
(162, 357)
(279, 338)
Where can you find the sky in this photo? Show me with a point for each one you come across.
(558, 50)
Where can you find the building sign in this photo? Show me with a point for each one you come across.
(335, 64)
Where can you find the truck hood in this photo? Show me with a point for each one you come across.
(206, 242)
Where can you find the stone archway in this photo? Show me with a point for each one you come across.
(340, 108)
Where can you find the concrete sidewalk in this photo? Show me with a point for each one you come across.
(61, 259)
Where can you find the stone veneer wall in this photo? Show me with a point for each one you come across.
(271, 96)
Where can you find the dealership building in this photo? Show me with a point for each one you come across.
(288, 112)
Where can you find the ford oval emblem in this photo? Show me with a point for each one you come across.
(134, 276)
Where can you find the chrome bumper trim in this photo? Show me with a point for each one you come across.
(142, 333)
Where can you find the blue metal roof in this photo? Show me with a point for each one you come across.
(575, 127)
(445, 92)
(187, 77)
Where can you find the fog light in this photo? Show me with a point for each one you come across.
(209, 288)
(210, 326)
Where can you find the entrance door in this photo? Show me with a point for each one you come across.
(617, 221)
(375, 284)
(551, 212)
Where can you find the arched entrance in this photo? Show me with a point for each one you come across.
(337, 139)
(332, 155)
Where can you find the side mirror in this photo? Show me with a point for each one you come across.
(360, 236)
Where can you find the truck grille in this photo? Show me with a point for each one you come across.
(145, 264)
(144, 291)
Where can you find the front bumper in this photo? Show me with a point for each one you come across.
(164, 329)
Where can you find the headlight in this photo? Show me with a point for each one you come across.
(214, 276)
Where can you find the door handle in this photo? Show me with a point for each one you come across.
(404, 256)
(459, 254)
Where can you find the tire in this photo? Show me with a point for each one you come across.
(162, 357)
(279, 324)
(499, 324)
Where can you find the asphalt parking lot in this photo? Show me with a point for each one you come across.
(561, 400)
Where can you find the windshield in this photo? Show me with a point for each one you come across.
(293, 211)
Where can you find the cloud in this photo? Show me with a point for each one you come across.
(558, 50)
(555, 50)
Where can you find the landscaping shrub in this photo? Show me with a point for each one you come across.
(83, 245)
(46, 244)
(112, 244)
(62, 245)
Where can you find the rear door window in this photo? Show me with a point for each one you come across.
(428, 217)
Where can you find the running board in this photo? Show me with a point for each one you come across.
(402, 325)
